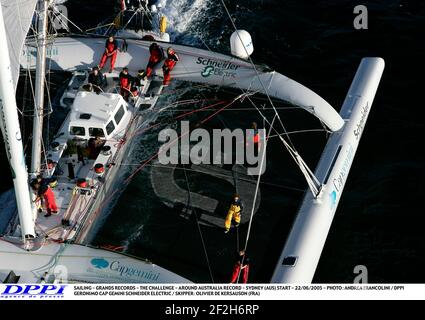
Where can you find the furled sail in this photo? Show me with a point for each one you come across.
(17, 15)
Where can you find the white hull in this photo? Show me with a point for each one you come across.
(303, 248)
(77, 263)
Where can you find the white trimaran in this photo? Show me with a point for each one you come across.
(34, 247)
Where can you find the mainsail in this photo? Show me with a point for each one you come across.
(17, 15)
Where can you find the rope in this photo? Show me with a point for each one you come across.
(256, 71)
(67, 19)
(255, 195)
(198, 225)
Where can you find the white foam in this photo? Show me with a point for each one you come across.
(182, 15)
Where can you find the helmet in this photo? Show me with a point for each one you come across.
(170, 51)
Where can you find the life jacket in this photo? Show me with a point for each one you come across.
(125, 80)
(236, 207)
(111, 46)
(156, 53)
(170, 62)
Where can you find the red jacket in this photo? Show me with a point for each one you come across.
(156, 53)
(170, 62)
(111, 46)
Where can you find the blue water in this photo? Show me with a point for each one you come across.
(379, 222)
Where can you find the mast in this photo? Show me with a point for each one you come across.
(37, 131)
(9, 122)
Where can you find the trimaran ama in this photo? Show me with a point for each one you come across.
(302, 250)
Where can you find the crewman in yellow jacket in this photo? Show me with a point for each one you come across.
(234, 213)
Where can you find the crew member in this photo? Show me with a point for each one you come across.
(169, 64)
(96, 80)
(240, 269)
(141, 77)
(234, 213)
(45, 193)
(94, 145)
(256, 139)
(156, 55)
(35, 185)
(111, 51)
(125, 83)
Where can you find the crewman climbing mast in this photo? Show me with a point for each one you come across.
(234, 213)
(256, 139)
(156, 56)
(169, 64)
(111, 51)
(240, 269)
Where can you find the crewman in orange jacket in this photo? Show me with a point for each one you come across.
(240, 269)
(45, 193)
(125, 83)
(156, 55)
(111, 51)
(234, 213)
(169, 64)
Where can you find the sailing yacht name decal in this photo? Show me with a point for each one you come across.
(217, 68)
(339, 180)
(360, 125)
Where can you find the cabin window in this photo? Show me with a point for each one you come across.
(118, 116)
(110, 127)
(78, 131)
(96, 132)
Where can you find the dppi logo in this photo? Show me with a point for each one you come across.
(33, 290)
(99, 263)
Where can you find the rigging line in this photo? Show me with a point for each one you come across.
(298, 131)
(172, 142)
(67, 19)
(198, 225)
(311, 179)
(256, 71)
(144, 12)
(257, 187)
(221, 109)
(251, 109)
(237, 239)
(217, 175)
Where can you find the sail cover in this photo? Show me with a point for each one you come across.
(17, 16)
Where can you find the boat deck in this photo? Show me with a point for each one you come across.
(75, 203)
